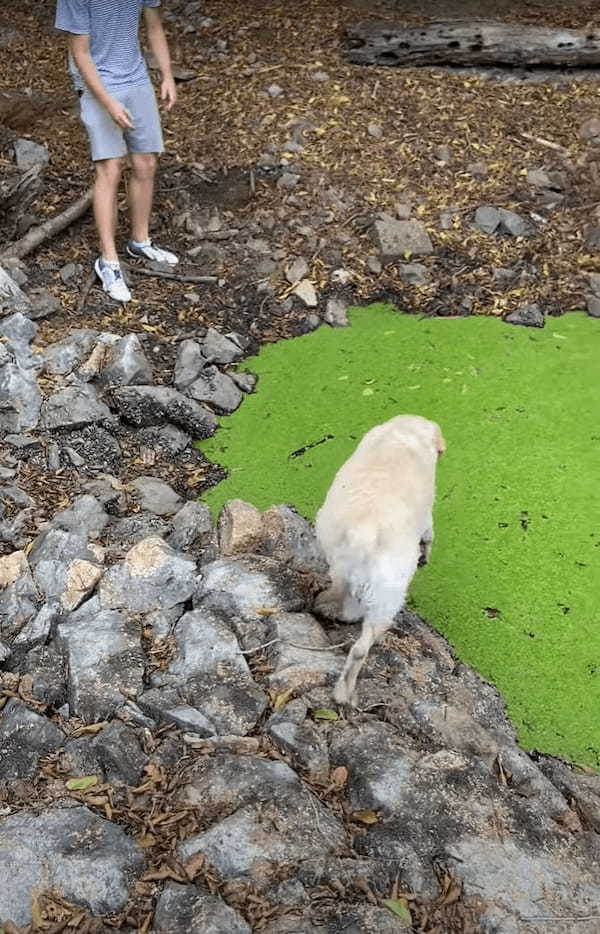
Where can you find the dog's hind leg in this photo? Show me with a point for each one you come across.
(372, 632)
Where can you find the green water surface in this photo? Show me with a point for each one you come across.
(514, 581)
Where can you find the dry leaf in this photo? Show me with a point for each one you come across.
(399, 907)
(82, 784)
(194, 866)
(365, 817)
(324, 713)
(339, 775)
(281, 700)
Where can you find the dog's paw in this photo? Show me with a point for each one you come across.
(342, 696)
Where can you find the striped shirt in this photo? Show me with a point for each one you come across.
(113, 28)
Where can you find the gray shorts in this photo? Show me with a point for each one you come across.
(109, 141)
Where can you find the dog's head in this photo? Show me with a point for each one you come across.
(425, 432)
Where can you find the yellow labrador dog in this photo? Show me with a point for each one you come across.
(375, 527)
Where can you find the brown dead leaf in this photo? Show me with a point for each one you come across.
(194, 866)
(339, 776)
(280, 700)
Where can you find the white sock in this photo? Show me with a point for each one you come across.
(113, 263)
(139, 245)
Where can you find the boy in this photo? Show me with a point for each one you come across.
(120, 113)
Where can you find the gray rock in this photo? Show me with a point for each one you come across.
(166, 705)
(114, 755)
(20, 398)
(594, 280)
(531, 316)
(69, 271)
(63, 357)
(302, 739)
(126, 364)
(25, 738)
(189, 364)
(515, 883)
(593, 306)
(167, 437)
(156, 496)
(320, 76)
(307, 293)
(193, 531)
(85, 515)
(43, 304)
(18, 594)
(274, 90)
(397, 239)
(290, 539)
(336, 313)
(514, 224)
(220, 349)
(374, 265)
(242, 589)
(442, 153)
(239, 528)
(290, 828)
(245, 381)
(187, 909)
(487, 219)
(590, 130)
(74, 407)
(211, 675)
(46, 667)
(28, 154)
(538, 178)
(147, 405)
(300, 668)
(296, 270)
(130, 530)
(582, 789)
(37, 630)
(217, 389)
(288, 180)
(414, 273)
(151, 577)
(375, 131)
(105, 660)
(66, 570)
(175, 908)
(70, 851)
(229, 780)
(592, 239)
(478, 170)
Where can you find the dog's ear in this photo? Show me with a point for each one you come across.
(439, 442)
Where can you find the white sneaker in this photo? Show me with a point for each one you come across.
(154, 254)
(112, 280)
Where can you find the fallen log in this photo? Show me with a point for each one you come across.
(37, 235)
(472, 43)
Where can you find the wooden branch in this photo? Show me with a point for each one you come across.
(37, 235)
(472, 43)
(158, 274)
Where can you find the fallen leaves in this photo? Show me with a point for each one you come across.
(82, 784)
(399, 908)
(324, 713)
(365, 816)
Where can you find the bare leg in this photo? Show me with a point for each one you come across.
(343, 693)
(108, 176)
(141, 193)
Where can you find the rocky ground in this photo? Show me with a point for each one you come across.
(169, 757)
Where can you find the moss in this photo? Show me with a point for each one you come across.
(514, 582)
